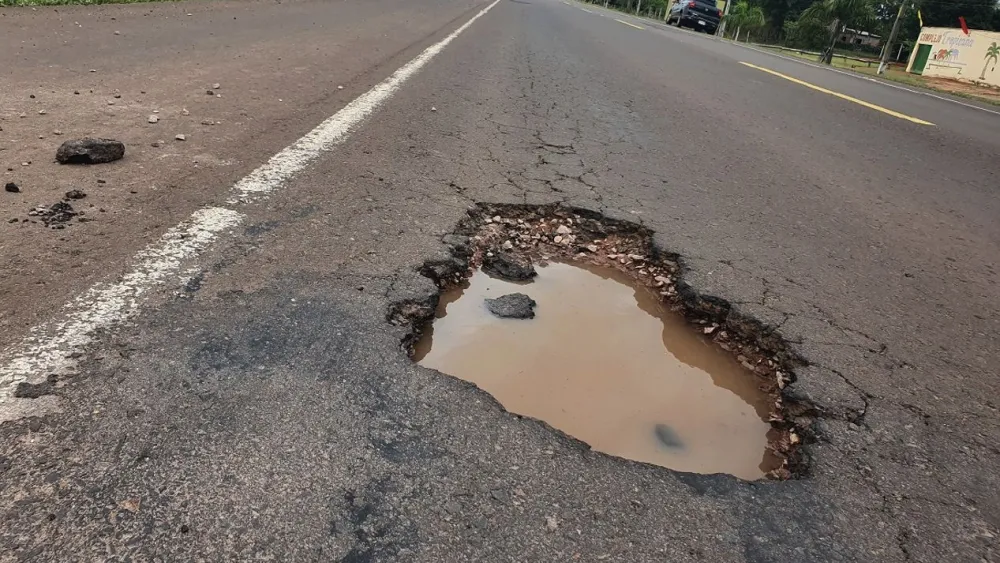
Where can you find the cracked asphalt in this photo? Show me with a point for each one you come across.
(265, 410)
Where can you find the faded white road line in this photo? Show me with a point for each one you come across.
(629, 24)
(48, 348)
(52, 347)
(301, 153)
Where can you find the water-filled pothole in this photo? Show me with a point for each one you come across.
(605, 362)
(703, 336)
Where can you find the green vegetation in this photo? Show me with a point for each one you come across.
(810, 24)
(4, 3)
(745, 16)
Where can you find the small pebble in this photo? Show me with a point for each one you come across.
(11, 187)
(216, 86)
(153, 119)
(180, 137)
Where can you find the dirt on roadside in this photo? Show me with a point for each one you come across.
(964, 88)
(237, 80)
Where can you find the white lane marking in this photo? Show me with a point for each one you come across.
(48, 348)
(586, 10)
(867, 78)
(335, 129)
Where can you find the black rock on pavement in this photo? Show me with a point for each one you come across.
(506, 267)
(90, 151)
(512, 306)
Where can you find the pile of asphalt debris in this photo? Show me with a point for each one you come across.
(59, 214)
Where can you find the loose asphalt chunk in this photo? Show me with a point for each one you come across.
(512, 306)
(506, 267)
(90, 151)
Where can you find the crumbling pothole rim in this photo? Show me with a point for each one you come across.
(629, 248)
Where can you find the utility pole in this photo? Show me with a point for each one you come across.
(887, 49)
(721, 32)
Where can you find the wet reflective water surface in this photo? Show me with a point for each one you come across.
(604, 362)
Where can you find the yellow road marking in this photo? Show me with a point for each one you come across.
(629, 24)
(839, 95)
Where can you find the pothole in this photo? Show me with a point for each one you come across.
(620, 354)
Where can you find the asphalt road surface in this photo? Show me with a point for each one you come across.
(235, 392)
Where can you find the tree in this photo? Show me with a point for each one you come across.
(834, 15)
(745, 15)
(979, 14)
(991, 55)
(779, 12)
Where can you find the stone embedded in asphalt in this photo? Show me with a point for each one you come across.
(90, 151)
(506, 267)
(512, 306)
(25, 390)
(12, 188)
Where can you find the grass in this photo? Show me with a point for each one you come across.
(894, 74)
(11, 3)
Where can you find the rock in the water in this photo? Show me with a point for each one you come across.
(90, 151)
(668, 437)
(506, 267)
(512, 306)
(12, 188)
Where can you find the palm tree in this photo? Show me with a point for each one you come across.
(745, 15)
(836, 14)
(991, 55)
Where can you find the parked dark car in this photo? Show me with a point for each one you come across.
(701, 15)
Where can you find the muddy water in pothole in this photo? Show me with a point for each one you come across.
(604, 362)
